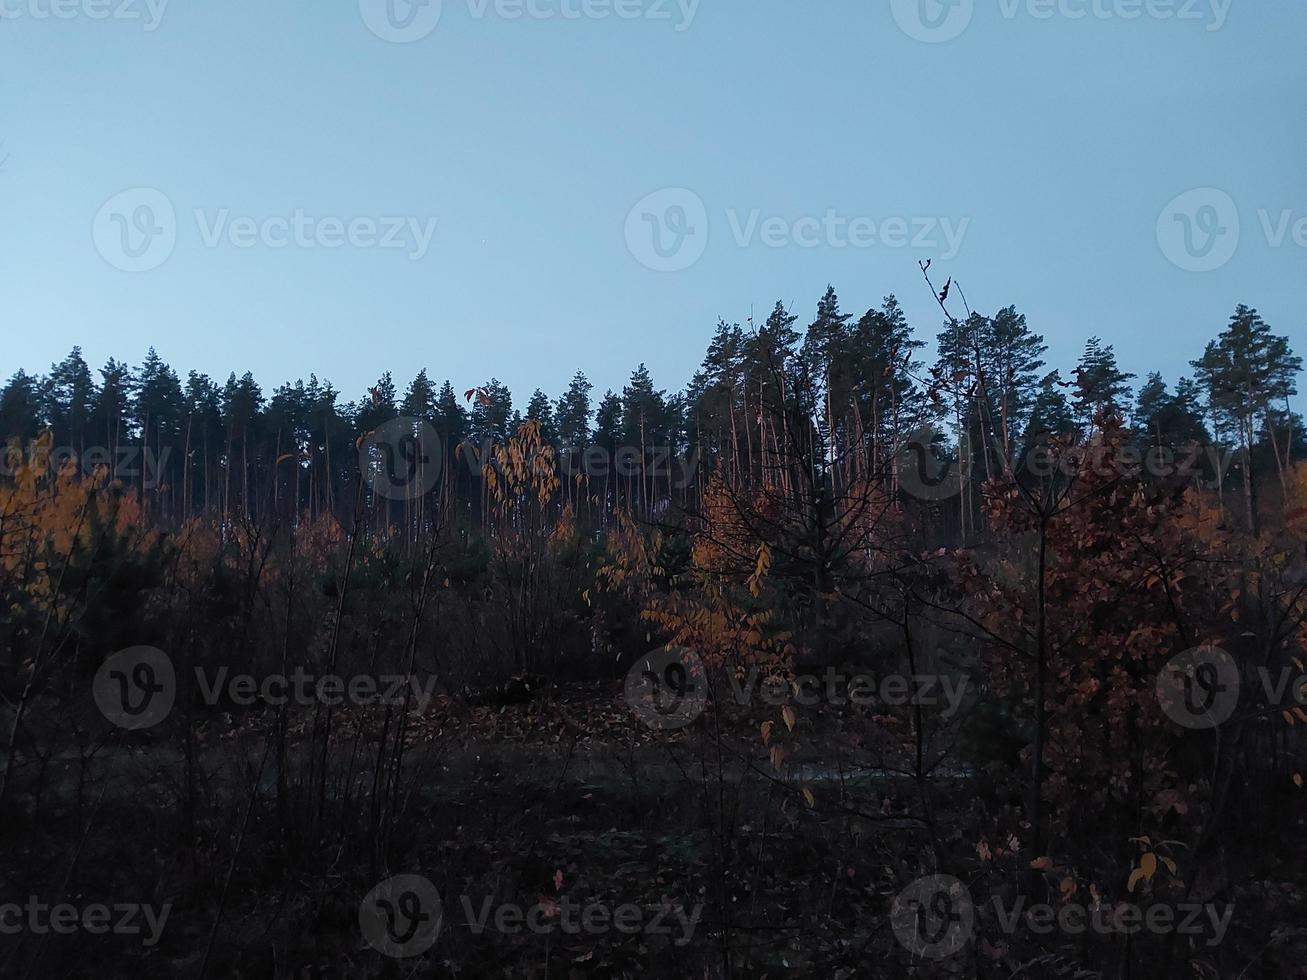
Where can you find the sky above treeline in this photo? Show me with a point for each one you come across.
(524, 188)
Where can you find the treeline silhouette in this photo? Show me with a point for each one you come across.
(192, 446)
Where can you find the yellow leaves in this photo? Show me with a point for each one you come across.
(1297, 779)
(1147, 869)
(1296, 506)
(766, 732)
(787, 714)
(760, 569)
(524, 469)
(777, 757)
(807, 795)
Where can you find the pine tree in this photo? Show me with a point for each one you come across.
(1051, 413)
(1101, 387)
(242, 419)
(111, 413)
(644, 411)
(381, 404)
(420, 398)
(450, 417)
(1165, 420)
(20, 411)
(827, 380)
(1246, 372)
(1013, 355)
(69, 396)
(572, 415)
(883, 364)
(492, 415)
(540, 409)
(716, 392)
(201, 442)
(158, 405)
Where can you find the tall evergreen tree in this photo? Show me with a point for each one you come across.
(644, 411)
(1101, 386)
(883, 364)
(450, 417)
(1247, 371)
(69, 397)
(826, 378)
(572, 415)
(1162, 419)
(111, 414)
(420, 398)
(1013, 356)
(492, 415)
(540, 409)
(20, 410)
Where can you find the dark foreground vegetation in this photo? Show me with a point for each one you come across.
(834, 665)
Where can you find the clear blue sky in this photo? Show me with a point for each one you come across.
(1058, 140)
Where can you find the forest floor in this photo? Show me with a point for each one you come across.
(562, 807)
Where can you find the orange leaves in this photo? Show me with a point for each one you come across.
(760, 570)
(524, 470)
(1146, 870)
(1296, 505)
(44, 507)
(777, 757)
(734, 517)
